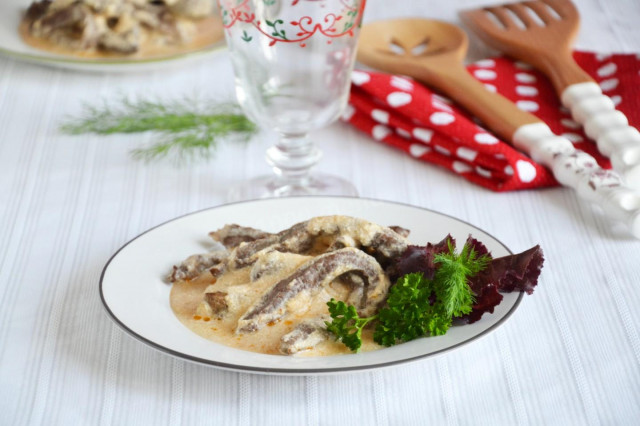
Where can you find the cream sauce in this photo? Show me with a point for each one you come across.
(208, 31)
(187, 303)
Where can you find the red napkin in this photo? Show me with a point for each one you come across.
(405, 114)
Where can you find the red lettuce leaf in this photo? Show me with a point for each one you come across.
(505, 274)
(477, 246)
(487, 298)
(515, 272)
(518, 271)
(418, 259)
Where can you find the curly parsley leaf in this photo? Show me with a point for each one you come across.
(346, 324)
(410, 312)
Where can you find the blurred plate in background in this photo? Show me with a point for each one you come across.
(12, 45)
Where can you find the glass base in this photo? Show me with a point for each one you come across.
(273, 186)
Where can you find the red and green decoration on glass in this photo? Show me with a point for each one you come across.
(332, 26)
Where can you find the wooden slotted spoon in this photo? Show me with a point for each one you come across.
(432, 52)
(541, 33)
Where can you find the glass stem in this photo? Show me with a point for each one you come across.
(292, 157)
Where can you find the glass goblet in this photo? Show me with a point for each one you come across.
(292, 61)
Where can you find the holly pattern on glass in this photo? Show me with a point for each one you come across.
(331, 26)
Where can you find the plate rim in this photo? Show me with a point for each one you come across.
(296, 371)
(62, 60)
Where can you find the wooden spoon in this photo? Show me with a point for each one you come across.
(541, 33)
(432, 52)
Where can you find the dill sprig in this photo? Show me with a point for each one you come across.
(185, 128)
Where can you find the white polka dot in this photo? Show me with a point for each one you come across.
(380, 132)
(398, 99)
(417, 150)
(443, 151)
(609, 84)
(508, 170)
(607, 70)
(403, 133)
(460, 167)
(441, 118)
(523, 65)
(528, 105)
(526, 171)
(616, 99)
(380, 116)
(485, 138)
(359, 78)
(483, 172)
(524, 77)
(602, 56)
(573, 137)
(348, 112)
(569, 123)
(401, 83)
(483, 74)
(499, 156)
(424, 135)
(486, 63)
(466, 153)
(526, 90)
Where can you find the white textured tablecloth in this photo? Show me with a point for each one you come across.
(570, 354)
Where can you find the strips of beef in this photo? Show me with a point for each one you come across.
(306, 335)
(319, 234)
(310, 278)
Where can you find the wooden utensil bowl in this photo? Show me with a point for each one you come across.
(433, 52)
(385, 44)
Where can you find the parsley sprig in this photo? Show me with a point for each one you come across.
(346, 324)
(416, 306)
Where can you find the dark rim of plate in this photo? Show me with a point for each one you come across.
(297, 371)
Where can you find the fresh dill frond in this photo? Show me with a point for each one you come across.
(452, 276)
(184, 128)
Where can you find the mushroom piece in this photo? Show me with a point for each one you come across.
(232, 235)
(194, 265)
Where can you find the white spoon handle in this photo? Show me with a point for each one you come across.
(580, 171)
(608, 127)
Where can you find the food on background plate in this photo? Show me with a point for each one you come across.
(336, 283)
(107, 28)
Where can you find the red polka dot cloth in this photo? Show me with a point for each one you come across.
(402, 113)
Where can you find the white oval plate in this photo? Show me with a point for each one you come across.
(136, 296)
(11, 45)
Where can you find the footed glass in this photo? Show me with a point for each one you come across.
(292, 61)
